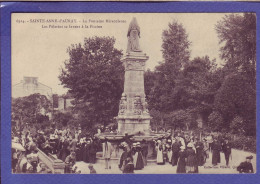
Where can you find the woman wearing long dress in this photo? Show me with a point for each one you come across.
(86, 152)
(139, 158)
(191, 164)
(169, 151)
(181, 166)
(199, 152)
(216, 148)
(159, 153)
(64, 150)
(175, 152)
(107, 151)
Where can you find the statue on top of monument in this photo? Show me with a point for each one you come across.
(133, 36)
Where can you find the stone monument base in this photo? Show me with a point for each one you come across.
(133, 125)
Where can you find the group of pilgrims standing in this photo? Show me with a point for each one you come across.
(188, 152)
(134, 156)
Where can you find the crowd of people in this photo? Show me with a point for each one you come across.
(189, 152)
(185, 151)
(64, 144)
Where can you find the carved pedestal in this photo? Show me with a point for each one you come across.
(133, 116)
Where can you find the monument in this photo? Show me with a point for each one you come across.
(133, 116)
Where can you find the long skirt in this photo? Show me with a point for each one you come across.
(139, 161)
(181, 167)
(160, 157)
(175, 158)
(215, 157)
(192, 165)
(169, 153)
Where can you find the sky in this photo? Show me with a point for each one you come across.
(39, 49)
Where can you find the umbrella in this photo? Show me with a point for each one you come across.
(17, 146)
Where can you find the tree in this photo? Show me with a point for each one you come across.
(237, 98)
(215, 121)
(63, 119)
(157, 120)
(182, 119)
(175, 48)
(31, 109)
(94, 76)
(237, 125)
(237, 95)
(237, 34)
(200, 79)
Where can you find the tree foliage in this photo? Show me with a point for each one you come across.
(176, 53)
(237, 95)
(237, 98)
(175, 47)
(94, 76)
(237, 34)
(180, 89)
(215, 121)
(31, 109)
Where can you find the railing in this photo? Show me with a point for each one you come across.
(55, 165)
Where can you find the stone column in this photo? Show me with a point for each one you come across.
(133, 114)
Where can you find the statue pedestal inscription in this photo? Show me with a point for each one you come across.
(133, 116)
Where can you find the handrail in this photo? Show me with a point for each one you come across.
(55, 165)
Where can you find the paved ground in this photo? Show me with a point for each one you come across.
(238, 156)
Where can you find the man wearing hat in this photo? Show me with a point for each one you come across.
(246, 167)
(227, 150)
(175, 151)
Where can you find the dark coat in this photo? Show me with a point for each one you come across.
(140, 160)
(92, 153)
(216, 148)
(245, 167)
(226, 148)
(200, 153)
(175, 153)
(123, 158)
(191, 163)
(129, 168)
(86, 153)
(145, 149)
(181, 167)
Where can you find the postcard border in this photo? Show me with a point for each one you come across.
(106, 7)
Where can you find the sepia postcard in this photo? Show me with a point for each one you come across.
(60, 60)
(100, 94)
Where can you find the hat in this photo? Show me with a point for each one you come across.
(169, 140)
(134, 144)
(190, 145)
(182, 147)
(250, 157)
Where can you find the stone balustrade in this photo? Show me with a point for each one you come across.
(55, 165)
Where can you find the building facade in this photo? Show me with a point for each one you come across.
(29, 86)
